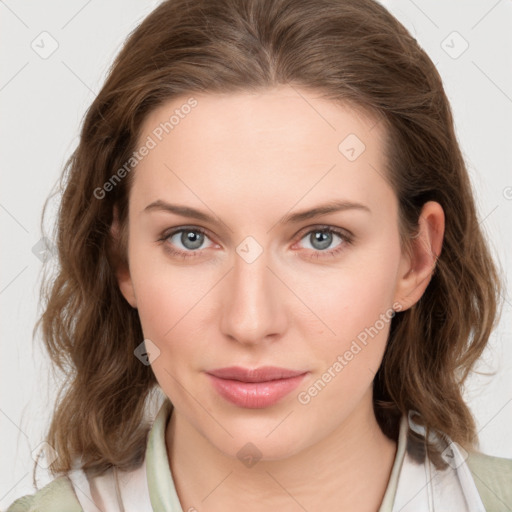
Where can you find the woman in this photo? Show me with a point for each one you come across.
(268, 220)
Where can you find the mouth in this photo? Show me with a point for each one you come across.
(255, 388)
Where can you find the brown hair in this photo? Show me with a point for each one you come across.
(349, 51)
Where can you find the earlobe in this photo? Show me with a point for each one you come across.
(416, 269)
(120, 264)
(126, 286)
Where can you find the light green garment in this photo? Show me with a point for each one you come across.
(492, 476)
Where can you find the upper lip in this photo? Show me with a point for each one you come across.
(261, 374)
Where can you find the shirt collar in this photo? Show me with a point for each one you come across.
(405, 477)
(162, 491)
(389, 495)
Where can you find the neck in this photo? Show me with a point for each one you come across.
(347, 470)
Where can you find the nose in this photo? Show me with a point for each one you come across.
(253, 304)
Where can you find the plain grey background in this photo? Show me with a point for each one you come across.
(54, 58)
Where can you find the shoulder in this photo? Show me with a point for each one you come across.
(57, 496)
(492, 476)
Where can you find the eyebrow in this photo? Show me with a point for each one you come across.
(292, 218)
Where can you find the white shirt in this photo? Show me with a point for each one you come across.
(412, 487)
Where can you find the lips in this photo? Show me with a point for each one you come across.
(262, 374)
(255, 388)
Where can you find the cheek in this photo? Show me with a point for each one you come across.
(162, 290)
(170, 303)
(166, 311)
(346, 300)
(165, 305)
(352, 298)
(358, 308)
(360, 313)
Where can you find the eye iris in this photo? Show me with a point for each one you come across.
(323, 237)
(192, 237)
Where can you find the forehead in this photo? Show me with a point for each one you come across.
(284, 141)
(281, 115)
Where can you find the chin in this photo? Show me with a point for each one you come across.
(259, 449)
(273, 437)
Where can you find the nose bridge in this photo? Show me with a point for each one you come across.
(252, 310)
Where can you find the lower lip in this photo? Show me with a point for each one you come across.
(255, 395)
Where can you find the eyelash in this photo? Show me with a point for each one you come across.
(345, 237)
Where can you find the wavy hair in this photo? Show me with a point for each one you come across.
(352, 52)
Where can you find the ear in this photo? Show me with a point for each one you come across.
(416, 269)
(122, 268)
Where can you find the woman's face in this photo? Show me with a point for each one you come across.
(251, 280)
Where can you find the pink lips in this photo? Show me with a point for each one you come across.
(257, 388)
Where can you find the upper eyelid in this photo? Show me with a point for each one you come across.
(173, 231)
(343, 232)
(325, 227)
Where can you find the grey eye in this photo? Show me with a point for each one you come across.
(190, 239)
(320, 239)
